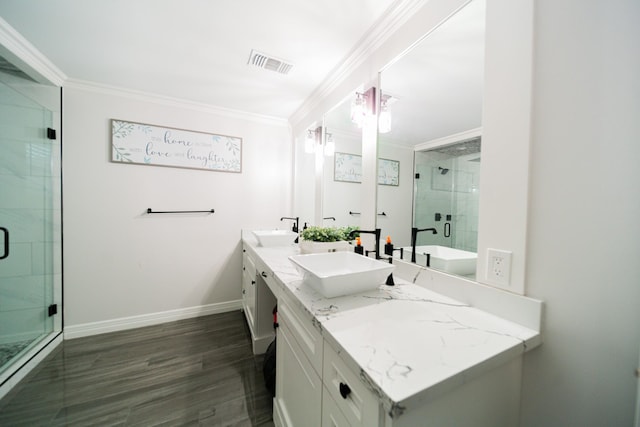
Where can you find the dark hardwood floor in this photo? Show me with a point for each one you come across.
(198, 371)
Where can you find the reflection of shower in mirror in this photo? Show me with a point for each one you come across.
(443, 171)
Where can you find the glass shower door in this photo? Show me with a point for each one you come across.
(30, 237)
(446, 195)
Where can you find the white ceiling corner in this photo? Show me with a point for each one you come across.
(16, 49)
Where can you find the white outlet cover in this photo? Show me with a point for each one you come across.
(498, 267)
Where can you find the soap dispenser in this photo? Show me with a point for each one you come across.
(359, 249)
(388, 247)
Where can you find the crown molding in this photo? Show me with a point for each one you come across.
(449, 139)
(17, 50)
(396, 15)
(173, 102)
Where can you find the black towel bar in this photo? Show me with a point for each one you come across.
(149, 211)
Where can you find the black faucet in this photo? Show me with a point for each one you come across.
(375, 232)
(294, 228)
(414, 237)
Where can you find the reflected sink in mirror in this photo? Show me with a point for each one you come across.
(341, 273)
(275, 237)
(450, 260)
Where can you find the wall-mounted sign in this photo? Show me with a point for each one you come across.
(388, 172)
(348, 168)
(144, 144)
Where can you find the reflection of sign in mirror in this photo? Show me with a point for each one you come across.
(159, 146)
(348, 168)
(388, 172)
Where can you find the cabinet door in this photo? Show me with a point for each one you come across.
(300, 327)
(249, 290)
(298, 387)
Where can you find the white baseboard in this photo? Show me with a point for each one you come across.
(124, 323)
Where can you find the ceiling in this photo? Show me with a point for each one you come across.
(197, 50)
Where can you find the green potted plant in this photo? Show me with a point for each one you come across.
(316, 239)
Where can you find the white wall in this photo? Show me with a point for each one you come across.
(120, 262)
(584, 217)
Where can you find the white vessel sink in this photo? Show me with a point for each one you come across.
(455, 261)
(341, 273)
(275, 237)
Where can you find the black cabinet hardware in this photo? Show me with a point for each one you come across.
(345, 390)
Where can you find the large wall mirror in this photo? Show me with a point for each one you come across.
(433, 94)
(304, 184)
(342, 171)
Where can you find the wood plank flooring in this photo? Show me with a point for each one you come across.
(198, 371)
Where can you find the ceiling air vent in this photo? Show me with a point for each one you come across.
(267, 62)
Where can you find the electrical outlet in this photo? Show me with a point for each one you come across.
(499, 267)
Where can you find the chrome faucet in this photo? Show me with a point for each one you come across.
(375, 232)
(414, 237)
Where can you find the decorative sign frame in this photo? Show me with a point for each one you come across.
(144, 144)
(348, 168)
(388, 172)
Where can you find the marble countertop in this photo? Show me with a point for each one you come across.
(408, 343)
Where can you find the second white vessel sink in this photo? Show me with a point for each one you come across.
(275, 237)
(450, 260)
(341, 273)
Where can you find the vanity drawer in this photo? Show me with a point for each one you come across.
(356, 402)
(267, 275)
(306, 335)
(332, 416)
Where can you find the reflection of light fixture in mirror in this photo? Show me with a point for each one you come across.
(313, 140)
(384, 119)
(358, 109)
(363, 105)
(310, 142)
(329, 146)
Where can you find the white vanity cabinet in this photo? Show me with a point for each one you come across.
(257, 300)
(313, 385)
(336, 359)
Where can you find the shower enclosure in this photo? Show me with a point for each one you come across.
(446, 194)
(30, 218)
